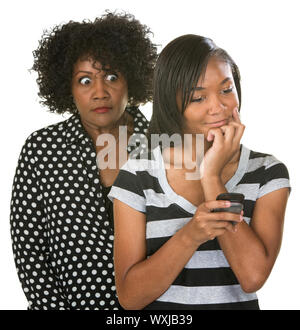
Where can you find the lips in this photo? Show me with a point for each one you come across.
(101, 109)
(218, 123)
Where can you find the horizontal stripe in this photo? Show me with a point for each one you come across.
(206, 277)
(149, 181)
(141, 180)
(254, 164)
(241, 305)
(273, 185)
(133, 200)
(128, 182)
(207, 259)
(266, 173)
(249, 190)
(153, 244)
(167, 228)
(277, 171)
(271, 164)
(255, 154)
(206, 295)
(255, 177)
(157, 199)
(164, 228)
(173, 211)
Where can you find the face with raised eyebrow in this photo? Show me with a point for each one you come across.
(100, 95)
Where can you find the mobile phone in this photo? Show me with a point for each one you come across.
(237, 203)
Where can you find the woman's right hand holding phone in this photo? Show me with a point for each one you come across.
(207, 225)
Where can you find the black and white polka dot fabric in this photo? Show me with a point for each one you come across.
(61, 232)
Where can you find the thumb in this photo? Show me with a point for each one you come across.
(210, 136)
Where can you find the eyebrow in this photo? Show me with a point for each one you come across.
(81, 71)
(91, 73)
(221, 83)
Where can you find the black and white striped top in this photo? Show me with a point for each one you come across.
(206, 281)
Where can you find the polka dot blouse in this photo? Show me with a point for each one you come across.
(61, 220)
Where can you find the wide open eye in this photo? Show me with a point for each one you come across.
(111, 77)
(85, 80)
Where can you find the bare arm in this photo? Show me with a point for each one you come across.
(253, 250)
(139, 281)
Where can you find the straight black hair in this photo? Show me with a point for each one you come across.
(177, 71)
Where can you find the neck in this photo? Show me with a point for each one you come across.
(94, 131)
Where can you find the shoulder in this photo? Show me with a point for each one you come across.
(135, 178)
(46, 134)
(40, 142)
(263, 161)
(136, 175)
(271, 173)
(146, 160)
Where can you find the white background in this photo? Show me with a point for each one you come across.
(263, 38)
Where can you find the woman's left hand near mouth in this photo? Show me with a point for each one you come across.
(226, 143)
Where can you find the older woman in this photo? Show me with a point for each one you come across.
(61, 219)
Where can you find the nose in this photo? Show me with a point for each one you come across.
(99, 89)
(216, 105)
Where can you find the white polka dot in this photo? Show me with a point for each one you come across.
(58, 216)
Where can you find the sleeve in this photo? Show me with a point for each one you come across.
(28, 224)
(276, 176)
(128, 189)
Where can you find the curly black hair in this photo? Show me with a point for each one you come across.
(117, 41)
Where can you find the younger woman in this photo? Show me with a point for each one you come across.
(171, 251)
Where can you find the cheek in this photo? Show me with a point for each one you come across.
(124, 97)
(121, 97)
(80, 99)
(194, 114)
(234, 100)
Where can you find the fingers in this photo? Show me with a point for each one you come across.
(210, 205)
(238, 124)
(208, 225)
(229, 131)
(239, 133)
(219, 219)
(225, 225)
(236, 116)
(233, 132)
(216, 135)
(225, 216)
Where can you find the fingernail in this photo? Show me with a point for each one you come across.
(227, 203)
